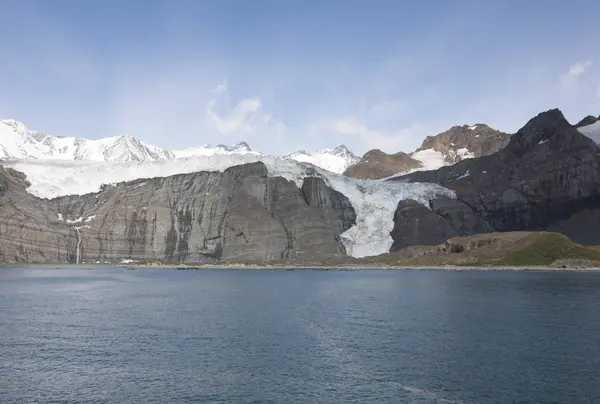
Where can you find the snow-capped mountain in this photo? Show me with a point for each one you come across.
(57, 166)
(335, 160)
(17, 142)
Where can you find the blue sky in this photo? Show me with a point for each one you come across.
(292, 74)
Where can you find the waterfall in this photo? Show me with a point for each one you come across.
(78, 244)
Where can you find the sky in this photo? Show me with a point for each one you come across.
(285, 75)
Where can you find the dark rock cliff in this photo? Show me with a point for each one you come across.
(240, 215)
(546, 178)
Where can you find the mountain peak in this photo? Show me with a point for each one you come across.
(588, 120)
(336, 160)
(241, 146)
(548, 125)
(341, 150)
(17, 126)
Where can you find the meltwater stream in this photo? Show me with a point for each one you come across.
(111, 335)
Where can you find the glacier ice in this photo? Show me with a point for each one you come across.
(375, 202)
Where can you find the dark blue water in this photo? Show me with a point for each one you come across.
(276, 336)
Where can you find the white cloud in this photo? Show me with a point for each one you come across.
(247, 120)
(571, 77)
(240, 119)
(392, 141)
(221, 87)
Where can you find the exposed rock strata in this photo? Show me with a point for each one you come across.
(239, 215)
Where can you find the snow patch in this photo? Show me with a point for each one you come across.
(592, 131)
(464, 153)
(431, 159)
(473, 127)
(543, 141)
(465, 175)
(60, 217)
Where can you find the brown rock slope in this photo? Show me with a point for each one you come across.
(376, 164)
(455, 144)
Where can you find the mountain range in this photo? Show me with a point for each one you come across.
(18, 142)
(77, 200)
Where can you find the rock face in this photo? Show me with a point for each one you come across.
(547, 177)
(414, 224)
(27, 234)
(334, 208)
(588, 120)
(460, 142)
(376, 164)
(240, 215)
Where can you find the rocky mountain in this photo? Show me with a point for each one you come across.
(462, 142)
(269, 209)
(93, 203)
(546, 178)
(447, 148)
(240, 215)
(588, 120)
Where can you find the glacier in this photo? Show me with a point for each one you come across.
(374, 202)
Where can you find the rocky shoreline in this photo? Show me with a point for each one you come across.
(353, 267)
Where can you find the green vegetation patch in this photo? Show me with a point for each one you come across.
(546, 248)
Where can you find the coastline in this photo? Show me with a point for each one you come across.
(314, 267)
(355, 267)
